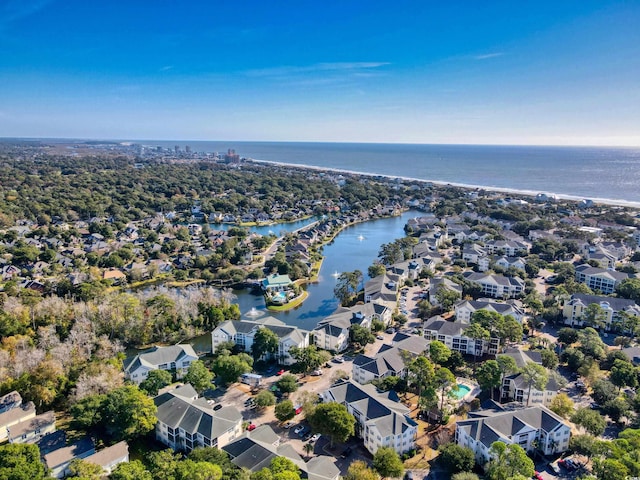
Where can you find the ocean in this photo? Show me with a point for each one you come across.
(597, 173)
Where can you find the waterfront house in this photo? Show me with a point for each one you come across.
(381, 420)
(186, 422)
(242, 332)
(276, 283)
(176, 358)
(533, 428)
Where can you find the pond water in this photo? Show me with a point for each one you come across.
(354, 248)
(278, 229)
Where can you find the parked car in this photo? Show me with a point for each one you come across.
(379, 337)
(316, 373)
(251, 426)
(298, 429)
(280, 372)
(303, 433)
(328, 365)
(306, 436)
(390, 330)
(347, 451)
(537, 476)
(314, 438)
(288, 425)
(339, 360)
(217, 407)
(555, 468)
(298, 409)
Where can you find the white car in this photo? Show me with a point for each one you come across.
(298, 429)
(339, 360)
(314, 438)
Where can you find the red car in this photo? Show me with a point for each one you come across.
(251, 426)
(537, 476)
(280, 372)
(298, 409)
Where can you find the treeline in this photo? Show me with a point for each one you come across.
(80, 188)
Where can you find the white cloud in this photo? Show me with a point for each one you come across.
(287, 70)
(486, 56)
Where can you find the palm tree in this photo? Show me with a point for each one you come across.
(534, 375)
(308, 449)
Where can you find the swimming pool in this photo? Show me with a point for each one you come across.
(461, 392)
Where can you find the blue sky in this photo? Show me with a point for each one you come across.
(557, 72)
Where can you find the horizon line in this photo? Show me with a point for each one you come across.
(351, 142)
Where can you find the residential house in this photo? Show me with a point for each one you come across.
(573, 310)
(382, 290)
(472, 253)
(9, 401)
(332, 333)
(108, 458)
(176, 358)
(451, 333)
(515, 388)
(497, 286)
(466, 308)
(186, 422)
(389, 361)
(533, 428)
(438, 283)
(510, 248)
(57, 461)
(33, 429)
(599, 279)
(255, 450)
(485, 263)
(242, 333)
(276, 283)
(381, 420)
(15, 415)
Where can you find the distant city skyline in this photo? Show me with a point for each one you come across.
(552, 73)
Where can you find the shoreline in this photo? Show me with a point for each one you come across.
(514, 191)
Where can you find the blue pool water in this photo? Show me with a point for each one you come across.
(461, 392)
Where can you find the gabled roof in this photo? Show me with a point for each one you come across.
(42, 421)
(445, 327)
(522, 357)
(158, 356)
(255, 450)
(388, 416)
(108, 456)
(194, 416)
(588, 270)
(492, 425)
(617, 304)
(80, 449)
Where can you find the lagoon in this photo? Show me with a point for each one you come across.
(354, 248)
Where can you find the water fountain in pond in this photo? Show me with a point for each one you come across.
(361, 237)
(253, 312)
(335, 274)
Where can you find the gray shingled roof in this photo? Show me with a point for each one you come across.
(159, 356)
(193, 417)
(492, 425)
